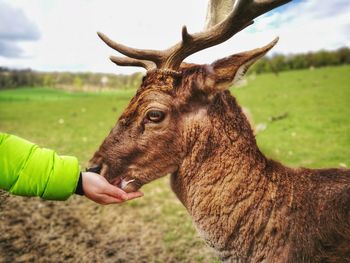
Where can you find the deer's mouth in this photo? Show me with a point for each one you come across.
(128, 182)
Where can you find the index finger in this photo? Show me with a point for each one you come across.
(133, 195)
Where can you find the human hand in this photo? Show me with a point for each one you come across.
(99, 190)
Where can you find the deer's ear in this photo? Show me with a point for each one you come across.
(231, 69)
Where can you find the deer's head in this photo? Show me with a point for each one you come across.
(151, 137)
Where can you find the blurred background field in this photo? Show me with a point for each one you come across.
(301, 118)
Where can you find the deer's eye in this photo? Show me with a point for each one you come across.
(155, 116)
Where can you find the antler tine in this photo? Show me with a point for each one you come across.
(142, 54)
(125, 61)
(242, 15)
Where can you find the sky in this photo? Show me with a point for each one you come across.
(60, 35)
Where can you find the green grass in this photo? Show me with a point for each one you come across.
(71, 123)
(50, 94)
(315, 133)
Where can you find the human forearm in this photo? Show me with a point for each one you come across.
(26, 169)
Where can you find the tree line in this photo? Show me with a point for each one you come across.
(10, 78)
(279, 62)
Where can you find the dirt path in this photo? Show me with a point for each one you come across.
(33, 230)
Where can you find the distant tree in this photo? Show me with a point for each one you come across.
(278, 63)
(321, 58)
(343, 55)
(298, 62)
(48, 80)
(78, 82)
(263, 65)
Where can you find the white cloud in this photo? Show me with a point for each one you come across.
(14, 27)
(309, 26)
(69, 40)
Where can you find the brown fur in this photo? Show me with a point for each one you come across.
(247, 207)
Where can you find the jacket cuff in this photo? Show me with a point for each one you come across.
(79, 190)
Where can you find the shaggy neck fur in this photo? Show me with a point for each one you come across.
(245, 206)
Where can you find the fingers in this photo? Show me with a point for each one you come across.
(115, 192)
(107, 200)
(134, 195)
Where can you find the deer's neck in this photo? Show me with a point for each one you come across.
(224, 185)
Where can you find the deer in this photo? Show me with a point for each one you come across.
(184, 121)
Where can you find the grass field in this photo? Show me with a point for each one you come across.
(304, 120)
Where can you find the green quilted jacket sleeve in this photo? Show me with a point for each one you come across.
(26, 169)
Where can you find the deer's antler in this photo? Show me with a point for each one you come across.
(126, 61)
(242, 15)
